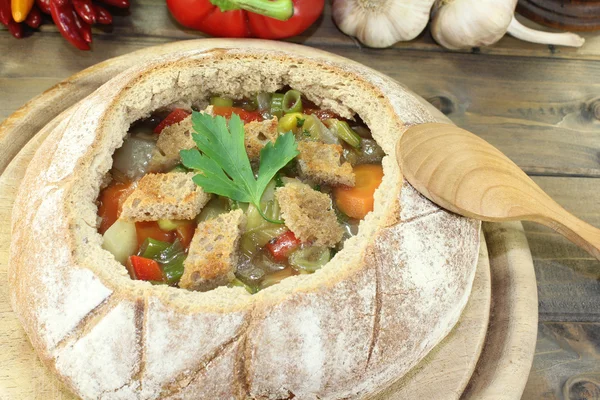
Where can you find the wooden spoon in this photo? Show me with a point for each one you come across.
(466, 175)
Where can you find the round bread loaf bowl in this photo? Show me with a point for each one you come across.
(347, 331)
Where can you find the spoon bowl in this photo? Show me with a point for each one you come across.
(466, 175)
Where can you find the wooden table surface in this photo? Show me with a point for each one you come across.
(538, 104)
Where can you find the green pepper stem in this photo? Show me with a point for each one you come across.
(277, 9)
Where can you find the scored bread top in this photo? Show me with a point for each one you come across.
(347, 331)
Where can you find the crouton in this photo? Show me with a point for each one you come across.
(172, 139)
(213, 255)
(320, 162)
(309, 214)
(258, 134)
(165, 196)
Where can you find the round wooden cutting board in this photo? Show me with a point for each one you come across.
(486, 356)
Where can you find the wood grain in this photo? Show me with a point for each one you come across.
(568, 277)
(566, 362)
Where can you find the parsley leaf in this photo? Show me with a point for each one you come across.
(222, 162)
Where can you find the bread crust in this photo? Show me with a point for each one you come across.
(347, 331)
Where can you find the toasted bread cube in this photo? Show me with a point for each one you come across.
(165, 196)
(320, 162)
(257, 135)
(171, 140)
(213, 255)
(309, 214)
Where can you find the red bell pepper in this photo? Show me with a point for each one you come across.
(177, 115)
(145, 269)
(264, 19)
(245, 116)
(282, 246)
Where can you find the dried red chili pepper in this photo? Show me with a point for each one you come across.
(117, 3)
(20, 9)
(34, 18)
(64, 17)
(5, 13)
(74, 18)
(84, 29)
(44, 5)
(15, 29)
(85, 9)
(103, 15)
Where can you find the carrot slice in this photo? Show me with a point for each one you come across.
(111, 202)
(357, 201)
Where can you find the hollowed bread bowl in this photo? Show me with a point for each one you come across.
(347, 331)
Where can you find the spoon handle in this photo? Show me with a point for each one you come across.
(577, 231)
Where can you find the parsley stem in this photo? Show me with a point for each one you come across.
(273, 221)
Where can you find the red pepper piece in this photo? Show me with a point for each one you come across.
(44, 5)
(145, 269)
(85, 10)
(281, 247)
(150, 229)
(177, 115)
(306, 12)
(117, 3)
(103, 15)
(15, 29)
(5, 13)
(266, 19)
(246, 116)
(34, 18)
(64, 15)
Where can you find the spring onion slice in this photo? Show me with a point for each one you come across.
(292, 102)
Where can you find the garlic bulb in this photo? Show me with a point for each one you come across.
(462, 24)
(381, 23)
